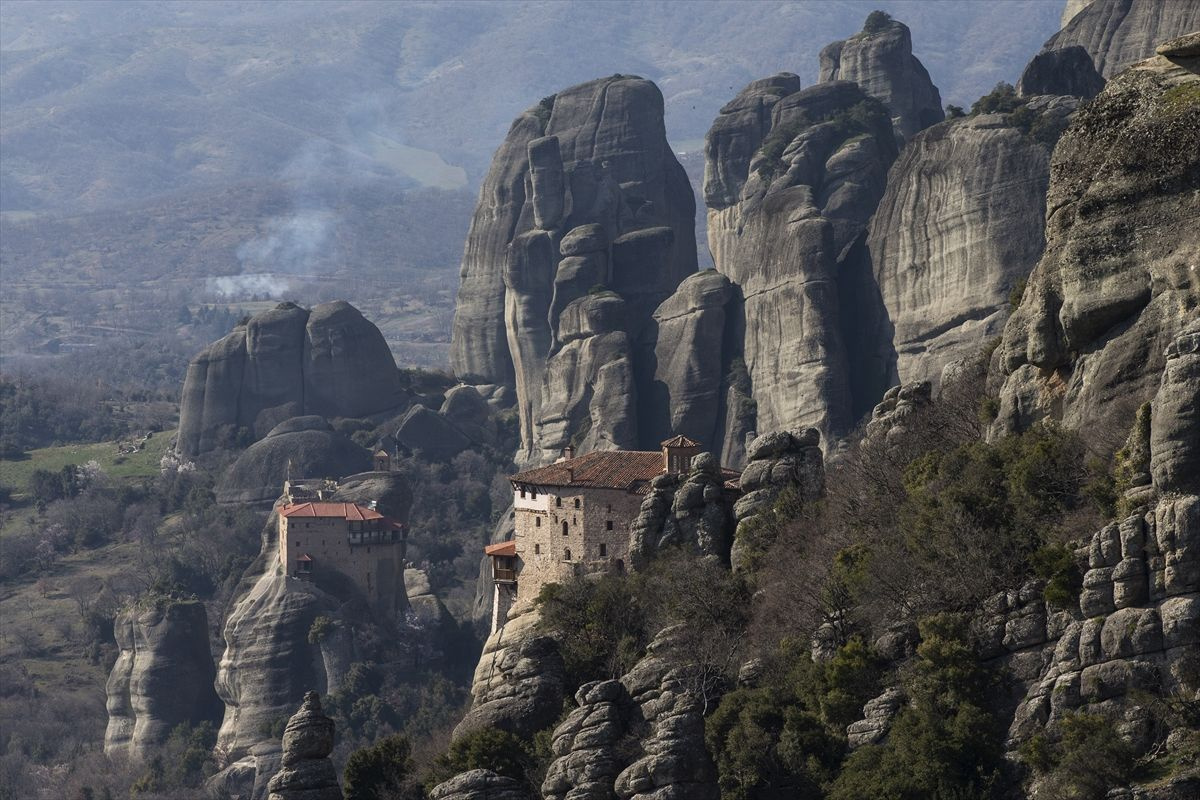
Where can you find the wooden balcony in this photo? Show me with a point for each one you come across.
(504, 575)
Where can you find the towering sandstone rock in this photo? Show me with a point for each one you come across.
(1118, 33)
(959, 226)
(284, 363)
(163, 676)
(584, 193)
(307, 773)
(1118, 279)
(881, 62)
(791, 177)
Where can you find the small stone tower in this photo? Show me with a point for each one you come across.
(678, 452)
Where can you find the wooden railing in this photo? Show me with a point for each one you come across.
(504, 575)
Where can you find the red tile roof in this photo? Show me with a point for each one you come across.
(680, 441)
(350, 511)
(508, 548)
(605, 469)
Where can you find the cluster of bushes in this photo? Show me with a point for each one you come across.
(862, 118)
(1004, 99)
(41, 413)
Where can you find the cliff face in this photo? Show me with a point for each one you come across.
(882, 64)
(958, 227)
(584, 192)
(283, 363)
(791, 178)
(1117, 33)
(1117, 280)
(163, 677)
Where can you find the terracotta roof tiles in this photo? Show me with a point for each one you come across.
(605, 469)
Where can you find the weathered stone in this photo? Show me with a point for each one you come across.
(878, 714)
(162, 677)
(283, 363)
(1068, 71)
(1174, 430)
(1129, 583)
(428, 432)
(1087, 343)
(300, 447)
(1180, 620)
(1131, 632)
(480, 784)
(882, 63)
(1116, 33)
(306, 772)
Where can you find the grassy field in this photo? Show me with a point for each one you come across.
(143, 464)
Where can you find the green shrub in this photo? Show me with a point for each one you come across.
(954, 112)
(944, 743)
(1055, 563)
(486, 748)
(877, 21)
(599, 624)
(321, 627)
(1089, 759)
(1001, 100)
(383, 771)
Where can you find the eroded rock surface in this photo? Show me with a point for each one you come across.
(518, 683)
(284, 363)
(1067, 71)
(693, 511)
(882, 64)
(791, 178)
(304, 446)
(959, 226)
(480, 784)
(1117, 281)
(584, 193)
(1117, 33)
(163, 676)
(306, 771)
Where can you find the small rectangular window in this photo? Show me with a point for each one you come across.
(533, 494)
(537, 549)
(537, 522)
(522, 494)
(608, 525)
(603, 550)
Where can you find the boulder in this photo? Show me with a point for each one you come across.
(480, 784)
(428, 432)
(1066, 71)
(302, 447)
(1174, 426)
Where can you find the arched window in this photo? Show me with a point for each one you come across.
(558, 502)
(577, 502)
(620, 565)
(565, 530)
(567, 554)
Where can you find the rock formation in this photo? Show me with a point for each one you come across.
(777, 462)
(685, 361)
(268, 659)
(959, 226)
(791, 178)
(284, 363)
(1117, 280)
(881, 62)
(301, 447)
(480, 784)
(306, 772)
(163, 676)
(1067, 71)
(518, 683)
(1117, 33)
(583, 193)
(694, 511)
(639, 737)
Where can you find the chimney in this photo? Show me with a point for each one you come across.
(568, 452)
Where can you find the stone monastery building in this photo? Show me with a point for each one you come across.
(317, 537)
(573, 517)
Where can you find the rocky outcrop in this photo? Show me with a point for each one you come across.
(480, 784)
(300, 447)
(584, 192)
(1174, 443)
(959, 226)
(163, 676)
(306, 771)
(284, 363)
(693, 512)
(518, 683)
(1068, 71)
(791, 178)
(1117, 33)
(430, 434)
(881, 62)
(685, 359)
(1116, 282)
(778, 462)
(640, 737)
(588, 394)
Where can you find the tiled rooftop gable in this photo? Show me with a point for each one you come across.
(348, 511)
(605, 469)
